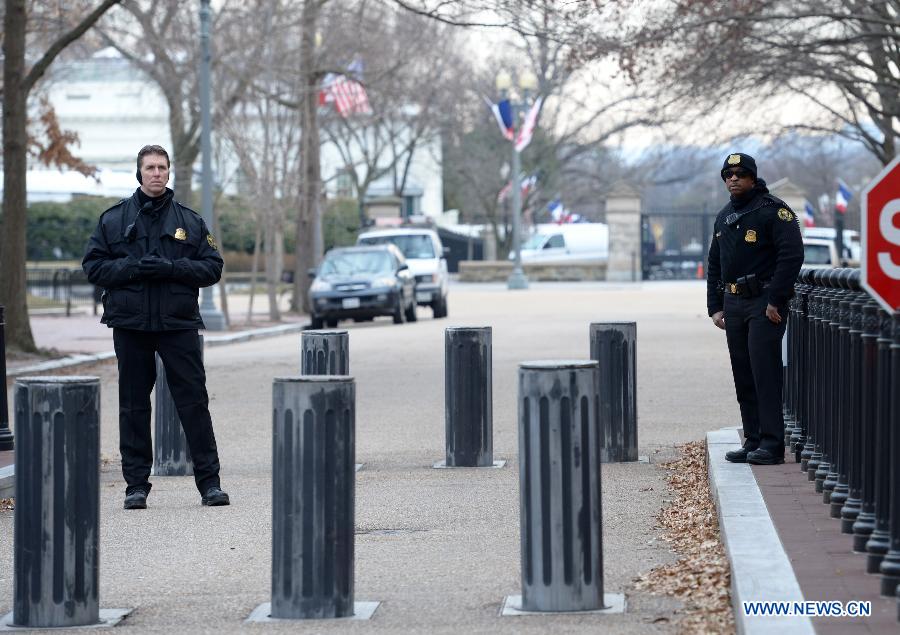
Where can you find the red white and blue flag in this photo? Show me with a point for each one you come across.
(842, 198)
(527, 184)
(345, 91)
(503, 114)
(809, 214)
(530, 123)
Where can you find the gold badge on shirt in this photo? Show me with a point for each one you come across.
(785, 214)
(180, 234)
(734, 159)
(751, 236)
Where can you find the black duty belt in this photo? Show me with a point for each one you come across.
(739, 288)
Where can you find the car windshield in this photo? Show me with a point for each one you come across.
(816, 255)
(535, 242)
(412, 245)
(349, 263)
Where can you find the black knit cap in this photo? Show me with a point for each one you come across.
(739, 160)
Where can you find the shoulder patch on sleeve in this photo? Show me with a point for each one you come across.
(212, 242)
(785, 214)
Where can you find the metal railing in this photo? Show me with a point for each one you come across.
(842, 410)
(62, 287)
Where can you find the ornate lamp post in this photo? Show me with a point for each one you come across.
(213, 318)
(527, 84)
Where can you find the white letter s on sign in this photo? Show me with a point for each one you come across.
(891, 234)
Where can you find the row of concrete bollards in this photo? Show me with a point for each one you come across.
(572, 416)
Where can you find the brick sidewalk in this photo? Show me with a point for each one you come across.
(820, 554)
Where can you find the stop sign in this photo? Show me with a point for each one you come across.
(881, 237)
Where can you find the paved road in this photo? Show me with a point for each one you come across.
(439, 548)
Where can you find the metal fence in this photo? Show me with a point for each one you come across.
(674, 245)
(842, 410)
(64, 287)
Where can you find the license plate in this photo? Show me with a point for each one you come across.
(423, 296)
(350, 303)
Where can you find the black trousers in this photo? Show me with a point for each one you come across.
(754, 345)
(181, 357)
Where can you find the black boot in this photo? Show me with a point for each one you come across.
(762, 456)
(739, 456)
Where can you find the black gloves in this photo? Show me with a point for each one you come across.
(154, 267)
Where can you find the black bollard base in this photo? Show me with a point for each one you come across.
(837, 499)
(862, 529)
(877, 547)
(889, 586)
(108, 619)
(262, 614)
(890, 573)
(612, 603)
(442, 465)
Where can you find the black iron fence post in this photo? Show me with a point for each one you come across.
(865, 521)
(815, 368)
(852, 506)
(879, 542)
(841, 489)
(890, 565)
(831, 476)
(800, 372)
(825, 388)
(6, 438)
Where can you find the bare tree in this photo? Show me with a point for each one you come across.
(839, 57)
(161, 40)
(18, 81)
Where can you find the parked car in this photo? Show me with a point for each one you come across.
(852, 245)
(575, 242)
(361, 283)
(820, 253)
(427, 261)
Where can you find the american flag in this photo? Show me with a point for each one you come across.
(345, 90)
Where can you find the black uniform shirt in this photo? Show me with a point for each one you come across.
(757, 234)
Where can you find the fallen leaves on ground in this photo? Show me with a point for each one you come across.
(7, 504)
(701, 577)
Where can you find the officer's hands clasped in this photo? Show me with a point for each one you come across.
(154, 267)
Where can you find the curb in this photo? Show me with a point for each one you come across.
(8, 481)
(209, 340)
(760, 569)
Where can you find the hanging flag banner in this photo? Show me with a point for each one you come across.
(530, 123)
(809, 216)
(842, 198)
(503, 114)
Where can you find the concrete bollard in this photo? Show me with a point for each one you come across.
(171, 454)
(613, 346)
(325, 352)
(468, 397)
(57, 516)
(559, 472)
(313, 474)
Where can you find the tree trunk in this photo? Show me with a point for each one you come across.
(15, 163)
(185, 156)
(254, 269)
(274, 259)
(309, 216)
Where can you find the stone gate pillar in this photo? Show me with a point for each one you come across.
(623, 215)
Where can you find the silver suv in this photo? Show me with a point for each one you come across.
(425, 256)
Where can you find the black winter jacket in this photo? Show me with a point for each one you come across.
(764, 240)
(174, 232)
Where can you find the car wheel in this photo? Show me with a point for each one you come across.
(440, 307)
(331, 323)
(316, 323)
(398, 311)
(411, 312)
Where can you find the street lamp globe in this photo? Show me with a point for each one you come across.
(503, 81)
(528, 81)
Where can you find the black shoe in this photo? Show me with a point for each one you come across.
(214, 497)
(765, 457)
(738, 456)
(136, 500)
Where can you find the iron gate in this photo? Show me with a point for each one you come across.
(674, 245)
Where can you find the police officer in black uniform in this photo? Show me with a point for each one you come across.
(151, 254)
(755, 256)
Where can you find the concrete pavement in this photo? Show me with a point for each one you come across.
(438, 548)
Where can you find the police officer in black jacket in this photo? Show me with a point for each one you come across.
(151, 254)
(755, 256)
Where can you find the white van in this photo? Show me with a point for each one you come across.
(570, 242)
(852, 245)
(425, 256)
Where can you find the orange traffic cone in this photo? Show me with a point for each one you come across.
(700, 274)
